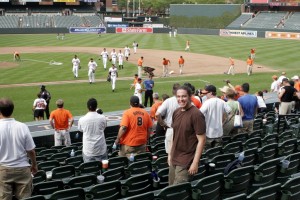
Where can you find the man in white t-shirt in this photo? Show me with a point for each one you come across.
(113, 56)
(139, 90)
(16, 146)
(164, 115)
(215, 111)
(113, 73)
(274, 85)
(76, 64)
(38, 108)
(93, 141)
(92, 65)
(104, 55)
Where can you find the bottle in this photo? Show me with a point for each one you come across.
(77, 136)
(131, 158)
(72, 153)
(114, 147)
(241, 156)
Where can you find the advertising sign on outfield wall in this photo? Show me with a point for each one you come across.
(87, 30)
(134, 30)
(116, 25)
(282, 35)
(238, 33)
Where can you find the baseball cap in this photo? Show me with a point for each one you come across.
(209, 88)
(134, 100)
(59, 102)
(43, 86)
(295, 77)
(139, 79)
(224, 89)
(285, 80)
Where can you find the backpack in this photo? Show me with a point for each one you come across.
(233, 165)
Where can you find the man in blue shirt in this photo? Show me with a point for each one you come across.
(249, 106)
(148, 85)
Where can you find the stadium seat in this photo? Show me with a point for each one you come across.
(287, 147)
(145, 196)
(237, 181)
(163, 175)
(209, 187)
(40, 159)
(48, 152)
(267, 152)
(75, 161)
(114, 174)
(251, 143)
(201, 169)
(181, 191)
(48, 165)
(269, 139)
(156, 140)
(47, 188)
(63, 172)
(143, 156)
(116, 162)
(242, 137)
(78, 153)
(226, 140)
(286, 171)
(249, 157)
(58, 148)
(159, 153)
(265, 174)
(68, 194)
(286, 135)
(212, 152)
(160, 163)
(158, 146)
(109, 190)
(60, 157)
(39, 177)
(290, 190)
(93, 167)
(237, 197)
(83, 181)
(68, 149)
(77, 144)
(39, 149)
(256, 133)
(233, 147)
(270, 192)
(138, 168)
(137, 185)
(38, 197)
(257, 124)
(220, 162)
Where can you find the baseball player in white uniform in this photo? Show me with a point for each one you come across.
(127, 52)
(139, 90)
(113, 56)
(120, 59)
(135, 46)
(92, 65)
(76, 64)
(113, 72)
(104, 55)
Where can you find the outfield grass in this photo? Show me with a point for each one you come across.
(277, 54)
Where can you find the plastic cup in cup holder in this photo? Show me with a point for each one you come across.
(124, 190)
(284, 165)
(89, 197)
(212, 166)
(156, 182)
(100, 179)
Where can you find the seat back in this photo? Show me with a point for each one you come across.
(38, 197)
(139, 167)
(292, 168)
(93, 167)
(143, 156)
(267, 152)
(252, 143)
(163, 175)
(137, 185)
(46, 188)
(266, 193)
(286, 135)
(68, 149)
(181, 191)
(62, 172)
(39, 177)
(158, 146)
(60, 157)
(116, 162)
(75, 161)
(212, 152)
(83, 181)
(233, 147)
(48, 152)
(208, 187)
(287, 147)
(237, 197)
(68, 194)
(269, 139)
(160, 152)
(114, 174)
(291, 189)
(220, 161)
(48, 165)
(242, 137)
(160, 163)
(250, 157)
(106, 191)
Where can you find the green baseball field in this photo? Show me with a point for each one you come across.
(47, 60)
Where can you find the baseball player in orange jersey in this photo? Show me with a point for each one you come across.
(231, 68)
(249, 65)
(166, 63)
(252, 53)
(181, 64)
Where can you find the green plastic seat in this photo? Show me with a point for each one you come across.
(287, 147)
(39, 149)
(83, 181)
(209, 187)
(270, 192)
(158, 146)
(93, 167)
(105, 191)
(160, 153)
(233, 147)
(116, 162)
(237, 197)
(143, 156)
(267, 152)
(68, 149)
(137, 185)
(160, 163)
(242, 137)
(114, 174)
(75, 161)
(290, 190)
(39, 177)
(145, 196)
(181, 191)
(68, 194)
(48, 165)
(293, 167)
(212, 152)
(251, 143)
(286, 135)
(269, 139)
(163, 175)
(250, 157)
(201, 169)
(220, 162)
(63, 172)
(48, 152)
(47, 188)
(38, 197)
(60, 157)
(140, 167)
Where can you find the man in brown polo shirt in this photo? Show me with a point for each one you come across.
(189, 137)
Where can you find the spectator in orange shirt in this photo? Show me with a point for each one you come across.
(159, 130)
(140, 66)
(135, 129)
(249, 65)
(61, 121)
(296, 83)
(181, 64)
(166, 63)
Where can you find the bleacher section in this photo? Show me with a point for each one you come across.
(9, 21)
(92, 21)
(242, 19)
(67, 21)
(265, 20)
(293, 23)
(36, 21)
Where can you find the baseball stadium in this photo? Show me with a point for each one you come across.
(39, 39)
